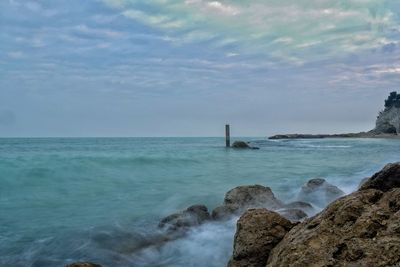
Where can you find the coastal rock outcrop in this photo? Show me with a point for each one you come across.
(388, 120)
(318, 190)
(192, 216)
(352, 231)
(258, 231)
(241, 198)
(83, 264)
(387, 124)
(360, 229)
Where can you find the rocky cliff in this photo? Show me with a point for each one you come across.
(388, 121)
(387, 124)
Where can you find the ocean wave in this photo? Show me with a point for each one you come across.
(326, 146)
(141, 160)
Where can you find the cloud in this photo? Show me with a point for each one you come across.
(296, 31)
(98, 32)
(16, 55)
(34, 6)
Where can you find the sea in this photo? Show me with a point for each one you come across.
(64, 200)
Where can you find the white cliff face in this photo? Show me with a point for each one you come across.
(388, 121)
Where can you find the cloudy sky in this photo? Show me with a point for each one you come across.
(186, 67)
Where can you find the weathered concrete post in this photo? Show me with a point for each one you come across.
(227, 136)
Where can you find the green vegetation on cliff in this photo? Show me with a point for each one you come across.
(392, 100)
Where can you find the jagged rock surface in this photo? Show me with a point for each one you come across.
(386, 179)
(361, 229)
(258, 231)
(352, 231)
(388, 121)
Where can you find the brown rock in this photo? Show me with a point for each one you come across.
(258, 231)
(252, 196)
(83, 264)
(361, 229)
(241, 198)
(384, 180)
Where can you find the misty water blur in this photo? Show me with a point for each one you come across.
(100, 199)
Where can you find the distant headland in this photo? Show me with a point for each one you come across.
(387, 124)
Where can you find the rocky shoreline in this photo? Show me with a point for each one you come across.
(387, 125)
(359, 229)
(344, 135)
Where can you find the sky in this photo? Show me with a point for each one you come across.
(186, 67)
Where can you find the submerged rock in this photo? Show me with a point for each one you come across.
(387, 178)
(83, 264)
(239, 199)
(224, 212)
(318, 190)
(258, 231)
(127, 242)
(192, 216)
(240, 144)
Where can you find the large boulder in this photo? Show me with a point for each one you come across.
(384, 180)
(83, 264)
(181, 221)
(252, 196)
(241, 198)
(258, 231)
(361, 229)
(319, 191)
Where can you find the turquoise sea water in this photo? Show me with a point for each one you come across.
(96, 199)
